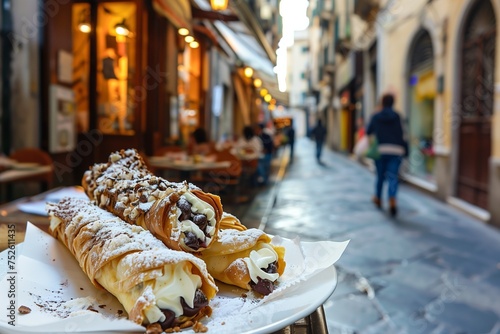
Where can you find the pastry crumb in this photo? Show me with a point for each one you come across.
(24, 309)
(154, 329)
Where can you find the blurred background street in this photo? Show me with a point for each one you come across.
(421, 272)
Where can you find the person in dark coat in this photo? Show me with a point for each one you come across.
(386, 126)
(264, 166)
(319, 135)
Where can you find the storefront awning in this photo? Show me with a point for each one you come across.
(246, 16)
(238, 10)
(246, 39)
(176, 11)
(249, 51)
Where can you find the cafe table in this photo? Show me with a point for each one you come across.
(189, 165)
(19, 174)
(184, 169)
(311, 317)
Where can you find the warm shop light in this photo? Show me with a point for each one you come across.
(183, 31)
(194, 44)
(219, 4)
(268, 98)
(121, 29)
(248, 71)
(189, 39)
(84, 21)
(257, 83)
(263, 92)
(85, 27)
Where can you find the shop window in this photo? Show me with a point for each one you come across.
(116, 58)
(189, 77)
(422, 88)
(115, 66)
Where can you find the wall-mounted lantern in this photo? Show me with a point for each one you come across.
(84, 21)
(248, 71)
(183, 31)
(219, 4)
(121, 29)
(257, 83)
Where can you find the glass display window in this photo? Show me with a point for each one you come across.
(115, 59)
(422, 92)
(189, 76)
(421, 125)
(116, 55)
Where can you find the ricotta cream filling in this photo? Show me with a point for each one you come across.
(169, 288)
(164, 292)
(198, 207)
(260, 259)
(54, 223)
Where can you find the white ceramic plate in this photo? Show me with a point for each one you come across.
(266, 318)
(276, 314)
(48, 269)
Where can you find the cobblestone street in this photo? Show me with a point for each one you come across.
(433, 269)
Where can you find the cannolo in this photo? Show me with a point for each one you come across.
(228, 221)
(153, 283)
(181, 215)
(245, 258)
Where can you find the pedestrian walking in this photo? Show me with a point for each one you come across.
(319, 135)
(386, 126)
(264, 165)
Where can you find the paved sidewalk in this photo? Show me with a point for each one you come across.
(432, 269)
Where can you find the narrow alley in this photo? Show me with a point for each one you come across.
(432, 269)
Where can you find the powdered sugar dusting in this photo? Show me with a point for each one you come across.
(240, 264)
(112, 237)
(229, 236)
(126, 183)
(231, 241)
(125, 187)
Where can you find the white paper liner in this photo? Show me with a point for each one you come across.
(51, 283)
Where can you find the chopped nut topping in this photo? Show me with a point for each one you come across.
(154, 329)
(198, 327)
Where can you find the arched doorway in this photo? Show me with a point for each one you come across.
(422, 91)
(476, 104)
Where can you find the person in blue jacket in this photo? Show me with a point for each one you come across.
(386, 126)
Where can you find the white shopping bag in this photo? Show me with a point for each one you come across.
(361, 146)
